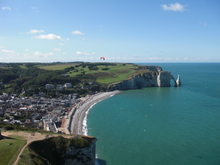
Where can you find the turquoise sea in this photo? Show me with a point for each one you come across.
(162, 126)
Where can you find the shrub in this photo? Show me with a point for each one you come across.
(9, 127)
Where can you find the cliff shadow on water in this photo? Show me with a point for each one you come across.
(101, 161)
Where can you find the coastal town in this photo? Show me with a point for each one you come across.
(44, 113)
(59, 115)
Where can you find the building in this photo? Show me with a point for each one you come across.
(49, 86)
(68, 85)
(59, 87)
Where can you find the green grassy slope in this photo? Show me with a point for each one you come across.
(105, 73)
(8, 152)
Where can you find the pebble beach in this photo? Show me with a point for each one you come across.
(76, 123)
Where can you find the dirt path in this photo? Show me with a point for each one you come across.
(28, 137)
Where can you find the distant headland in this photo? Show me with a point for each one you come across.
(58, 79)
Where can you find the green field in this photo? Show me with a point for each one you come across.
(115, 73)
(5, 67)
(105, 73)
(8, 152)
(23, 67)
(117, 77)
(56, 66)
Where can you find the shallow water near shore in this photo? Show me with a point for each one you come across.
(165, 126)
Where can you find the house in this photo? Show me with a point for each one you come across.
(65, 75)
(49, 86)
(83, 87)
(75, 96)
(27, 122)
(2, 113)
(39, 124)
(91, 83)
(68, 85)
(10, 111)
(59, 87)
(42, 94)
(58, 110)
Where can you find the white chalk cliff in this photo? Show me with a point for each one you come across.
(178, 81)
(149, 79)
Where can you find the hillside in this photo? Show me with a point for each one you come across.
(26, 79)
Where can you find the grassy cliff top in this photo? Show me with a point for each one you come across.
(104, 73)
(27, 79)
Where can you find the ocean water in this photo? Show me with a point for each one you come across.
(162, 126)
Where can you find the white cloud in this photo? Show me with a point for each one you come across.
(174, 7)
(49, 37)
(41, 55)
(48, 54)
(7, 51)
(57, 49)
(77, 32)
(6, 8)
(26, 50)
(10, 53)
(61, 44)
(1, 38)
(33, 31)
(84, 53)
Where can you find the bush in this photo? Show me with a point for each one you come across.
(105, 68)
(9, 127)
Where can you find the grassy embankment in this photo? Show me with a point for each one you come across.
(114, 73)
(8, 152)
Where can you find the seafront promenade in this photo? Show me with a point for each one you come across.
(74, 122)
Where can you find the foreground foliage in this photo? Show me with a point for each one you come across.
(11, 127)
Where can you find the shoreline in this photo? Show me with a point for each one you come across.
(78, 115)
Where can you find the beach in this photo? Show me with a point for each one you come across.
(77, 117)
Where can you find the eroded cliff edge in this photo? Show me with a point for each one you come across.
(79, 150)
(147, 76)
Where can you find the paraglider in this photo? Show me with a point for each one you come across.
(102, 58)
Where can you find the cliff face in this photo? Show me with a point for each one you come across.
(178, 81)
(79, 150)
(149, 79)
(164, 78)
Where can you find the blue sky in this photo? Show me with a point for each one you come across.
(121, 31)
